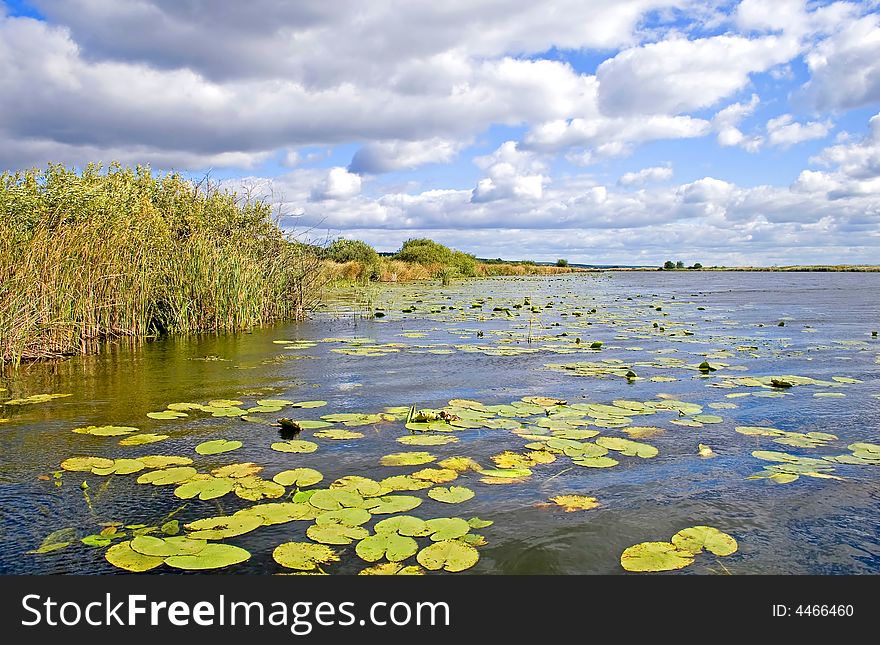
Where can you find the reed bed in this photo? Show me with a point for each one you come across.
(95, 255)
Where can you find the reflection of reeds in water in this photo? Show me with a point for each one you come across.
(86, 258)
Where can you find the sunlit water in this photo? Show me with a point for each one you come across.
(808, 526)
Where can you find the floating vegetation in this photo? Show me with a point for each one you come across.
(303, 556)
(573, 503)
(295, 446)
(34, 399)
(105, 431)
(217, 446)
(679, 552)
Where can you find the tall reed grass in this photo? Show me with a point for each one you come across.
(95, 255)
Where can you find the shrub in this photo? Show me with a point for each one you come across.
(342, 250)
(426, 252)
(562, 262)
(668, 265)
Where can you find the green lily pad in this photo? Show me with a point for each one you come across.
(85, 464)
(436, 475)
(123, 556)
(477, 523)
(697, 538)
(295, 446)
(392, 546)
(392, 504)
(628, 447)
(142, 439)
(392, 569)
(299, 477)
(655, 556)
(336, 499)
(404, 482)
(363, 486)
(303, 556)
(595, 462)
(447, 528)
(344, 516)
(572, 503)
(106, 431)
(427, 440)
(309, 404)
(403, 525)
(218, 446)
(213, 556)
(448, 555)
(163, 548)
(168, 476)
(167, 415)
(336, 533)
(120, 467)
(451, 495)
(223, 526)
(280, 512)
(339, 434)
(407, 459)
(505, 473)
(208, 488)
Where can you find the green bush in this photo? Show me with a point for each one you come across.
(562, 262)
(424, 251)
(342, 250)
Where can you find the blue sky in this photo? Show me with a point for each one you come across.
(606, 132)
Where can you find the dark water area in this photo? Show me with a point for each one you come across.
(430, 355)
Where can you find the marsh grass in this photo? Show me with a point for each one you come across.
(97, 255)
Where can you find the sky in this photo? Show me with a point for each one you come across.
(604, 132)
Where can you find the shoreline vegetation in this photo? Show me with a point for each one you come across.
(98, 255)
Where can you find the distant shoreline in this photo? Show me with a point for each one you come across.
(790, 269)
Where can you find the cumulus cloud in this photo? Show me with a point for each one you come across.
(385, 156)
(783, 131)
(511, 173)
(680, 75)
(845, 67)
(338, 184)
(726, 123)
(646, 175)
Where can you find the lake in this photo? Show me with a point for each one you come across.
(814, 507)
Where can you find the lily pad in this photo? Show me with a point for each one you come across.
(164, 461)
(390, 545)
(427, 440)
(335, 499)
(655, 556)
(407, 459)
(392, 504)
(163, 548)
(404, 525)
(123, 556)
(344, 516)
(142, 439)
(339, 534)
(213, 556)
(85, 464)
(299, 477)
(223, 526)
(447, 528)
(628, 447)
(218, 446)
(295, 446)
(697, 538)
(572, 503)
(106, 431)
(436, 475)
(404, 482)
(451, 495)
(363, 486)
(448, 555)
(392, 569)
(303, 556)
(339, 434)
(56, 541)
(168, 476)
(208, 488)
(167, 415)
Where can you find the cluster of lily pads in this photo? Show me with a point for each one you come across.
(678, 552)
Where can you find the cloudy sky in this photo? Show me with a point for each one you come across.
(626, 131)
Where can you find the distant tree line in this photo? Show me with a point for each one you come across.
(669, 265)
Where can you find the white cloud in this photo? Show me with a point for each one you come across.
(845, 67)
(727, 120)
(680, 75)
(645, 175)
(338, 184)
(511, 174)
(385, 156)
(783, 131)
